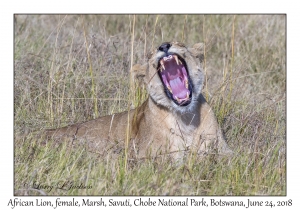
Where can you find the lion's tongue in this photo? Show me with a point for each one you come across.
(178, 88)
(176, 80)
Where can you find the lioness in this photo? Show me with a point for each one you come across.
(174, 119)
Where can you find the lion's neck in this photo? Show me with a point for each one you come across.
(188, 119)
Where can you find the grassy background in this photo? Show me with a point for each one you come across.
(72, 68)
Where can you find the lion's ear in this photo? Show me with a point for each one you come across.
(138, 73)
(198, 50)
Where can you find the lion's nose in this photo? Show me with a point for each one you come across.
(164, 47)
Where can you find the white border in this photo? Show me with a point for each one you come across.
(110, 6)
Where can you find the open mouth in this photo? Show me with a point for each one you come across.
(174, 75)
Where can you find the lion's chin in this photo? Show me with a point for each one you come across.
(174, 75)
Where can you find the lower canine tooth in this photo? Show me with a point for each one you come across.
(177, 99)
(187, 95)
(169, 88)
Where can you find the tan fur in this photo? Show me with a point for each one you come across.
(158, 126)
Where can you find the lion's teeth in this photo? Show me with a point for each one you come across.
(177, 99)
(176, 58)
(162, 64)
(186, 84)
(169, 88)
(187, 95)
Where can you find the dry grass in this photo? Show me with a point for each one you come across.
(71, 68)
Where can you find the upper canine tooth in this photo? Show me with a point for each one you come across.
(176, 58)
(162, 64)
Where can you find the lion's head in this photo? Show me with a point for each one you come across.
(173, 75)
